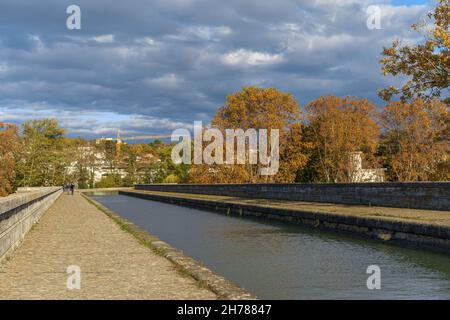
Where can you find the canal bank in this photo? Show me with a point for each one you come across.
(425, 229)
(278, 260)
(205, 277)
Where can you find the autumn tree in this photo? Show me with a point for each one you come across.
(415, 142)
(110, 153)
(81, 162)
(336, 127)
(40, 160)
(257, 108)
(130, 155)
(427, 64)
(8, 144)
(294, 154)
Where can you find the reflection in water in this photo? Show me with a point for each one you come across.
(278, 260)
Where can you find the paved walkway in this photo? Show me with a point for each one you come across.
(114, 265)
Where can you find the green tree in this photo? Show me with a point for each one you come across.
(110, 181)
(162, 165)
(41, 160)
(135, 159)
(172, 178)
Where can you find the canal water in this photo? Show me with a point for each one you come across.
(277, 260)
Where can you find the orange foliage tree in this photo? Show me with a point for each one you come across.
(8, 143)
(257, 108)
(427, 64)
(336, 127)
(415, 142)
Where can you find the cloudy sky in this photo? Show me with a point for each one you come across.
(149, 66)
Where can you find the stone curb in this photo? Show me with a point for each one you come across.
(214, 282)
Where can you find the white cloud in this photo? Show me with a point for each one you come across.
(106, 38)
(148, 41)
(337, 2)
(244, 57)
(205, 33)
(93, 123)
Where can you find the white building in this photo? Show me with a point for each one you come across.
(95, 162)
(358, 174)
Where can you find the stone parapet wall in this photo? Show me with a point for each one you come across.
(423, 195)
(20, 211)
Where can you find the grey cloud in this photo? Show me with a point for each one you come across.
(169, 62)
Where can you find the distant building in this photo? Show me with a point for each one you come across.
(117, 140)
(358, 174)
(94, 162)
(98, 141)
(97, 165)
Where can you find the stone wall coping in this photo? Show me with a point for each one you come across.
(421, 184)
(415, 195)
(24, 196)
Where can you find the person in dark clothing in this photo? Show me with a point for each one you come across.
(72, 188)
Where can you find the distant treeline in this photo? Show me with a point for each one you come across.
(410, 140)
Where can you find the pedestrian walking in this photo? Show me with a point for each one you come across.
(72, 188)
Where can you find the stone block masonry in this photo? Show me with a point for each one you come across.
(19, 212)
(418, 195)
(426, 229)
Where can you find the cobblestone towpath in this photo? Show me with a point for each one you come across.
(113, 264)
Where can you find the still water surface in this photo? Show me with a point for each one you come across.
(276, 260)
